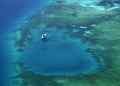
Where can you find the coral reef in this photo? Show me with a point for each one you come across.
(109, 3)
(63, 15)
(101, 36)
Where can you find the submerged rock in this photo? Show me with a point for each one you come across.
(109, 3)
(20, 50)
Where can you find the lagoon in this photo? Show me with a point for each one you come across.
(59, 54)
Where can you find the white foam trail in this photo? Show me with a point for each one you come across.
(97, 7)
(113, 8)
(83, 2)
(92, 4)
(87, 3)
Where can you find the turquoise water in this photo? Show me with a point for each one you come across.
(59, 54)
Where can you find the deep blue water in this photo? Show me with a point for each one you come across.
(59, 54)
(10, 13)
(13, 10)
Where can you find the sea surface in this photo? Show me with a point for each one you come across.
(10, 14)
(59, 54)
